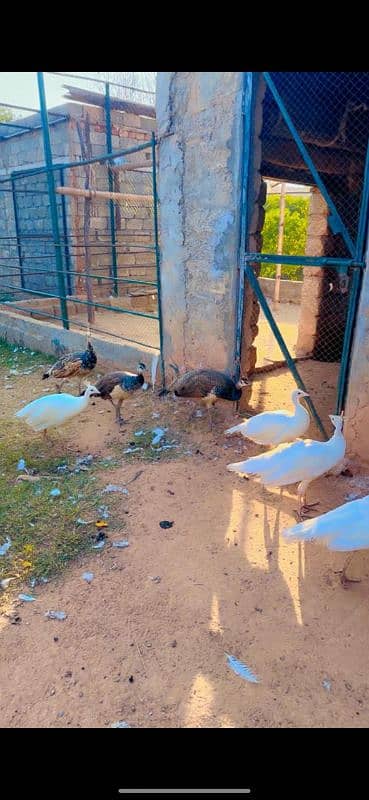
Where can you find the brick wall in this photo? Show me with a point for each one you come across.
(134, 223)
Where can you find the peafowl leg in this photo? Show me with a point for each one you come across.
(303, 506)
(344, 578)
(193, 412)
(118, 417)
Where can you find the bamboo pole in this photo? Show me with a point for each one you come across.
(95, 194)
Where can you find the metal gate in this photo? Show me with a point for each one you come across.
(315, 131)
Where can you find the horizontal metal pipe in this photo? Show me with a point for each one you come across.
(307, 261)
(30, 273)
(100, 80)
(96, 194)
(85, 302)
(78, 324)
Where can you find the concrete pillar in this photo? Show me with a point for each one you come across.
(313, 278)
(357, 403)
(199, 183)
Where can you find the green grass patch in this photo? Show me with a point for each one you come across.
(44, 532)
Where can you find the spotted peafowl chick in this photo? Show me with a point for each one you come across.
(71, 365)
(121, 386)
(208, 385)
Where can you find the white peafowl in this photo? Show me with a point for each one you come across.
(343, 529)
(275, 427)
(54, 410)
(296, 462)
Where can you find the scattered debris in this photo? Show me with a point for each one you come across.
(88, 576)
(27, 598)
(139, 433)
(121, 543)
(326, 685)
(21, 466)
(170, 492)
(103, 512)
(155, 415)
(81, 521)
(155, 578)
(83, 463)
(101, 523)
(55, 615)
(241, 669)
(173, 643)
(5, 582)
(166, 524)
(120, 724)
(30, 478)
(5, 547)
(132, 449)
(14, 618)
(347, 473)
(199, 413)
(55, 493)
(131, 679)
(113, 487)
(100, 536)
(99, 545)
(140, 472)
(158, 435)
(352, 496)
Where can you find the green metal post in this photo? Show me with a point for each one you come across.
(111, 188)
(347, 341)
(52, 199)
(157, 254)
(285, 351)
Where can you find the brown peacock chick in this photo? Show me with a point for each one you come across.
(207, 385)
(121, 386)
(72, 365)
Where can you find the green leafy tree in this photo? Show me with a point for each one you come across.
(295, 233)
(5, 114)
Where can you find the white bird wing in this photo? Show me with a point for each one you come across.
(344, 528)
(291, 463)
(49, 411)
(269, 426)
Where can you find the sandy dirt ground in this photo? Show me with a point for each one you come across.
(152, 652)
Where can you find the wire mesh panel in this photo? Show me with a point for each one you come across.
(305, 282)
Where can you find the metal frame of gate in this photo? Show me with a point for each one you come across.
(356, 249)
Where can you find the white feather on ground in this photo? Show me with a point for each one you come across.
(275, 427)
(343, 529)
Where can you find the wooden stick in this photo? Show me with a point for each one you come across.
(94, 194)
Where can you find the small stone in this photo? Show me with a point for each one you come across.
(173, 643)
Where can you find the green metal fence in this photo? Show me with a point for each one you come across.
(79, 232)
(314, 132)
